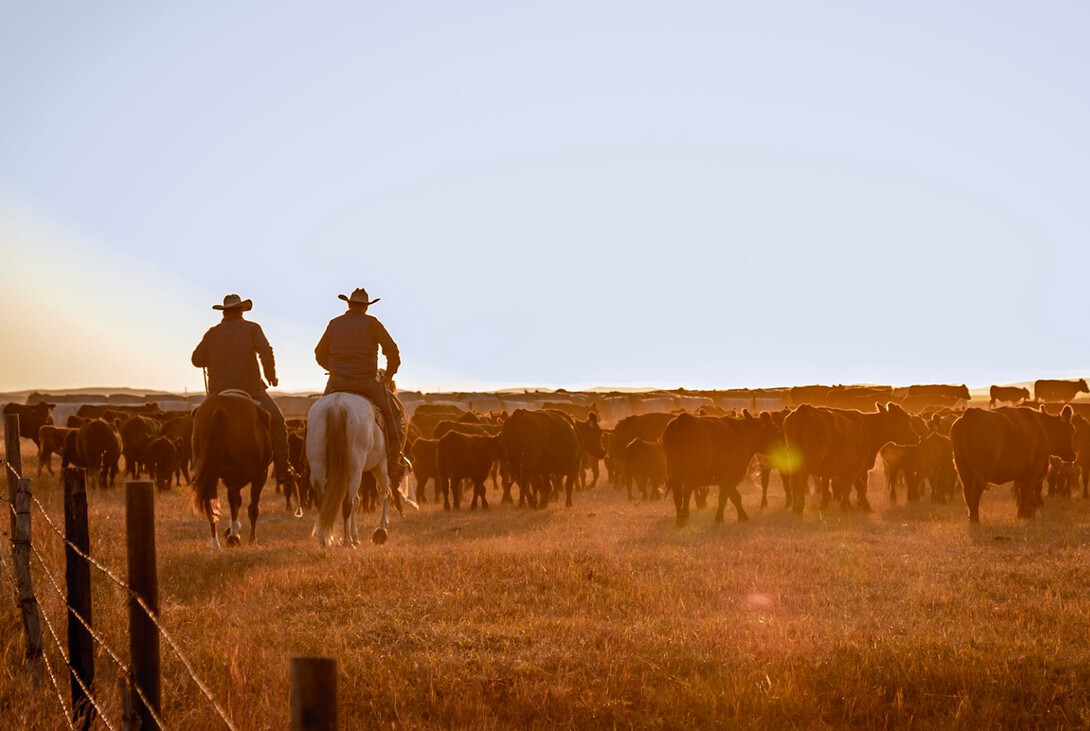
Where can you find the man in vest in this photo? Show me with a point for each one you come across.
(349, 351)
(229, 352)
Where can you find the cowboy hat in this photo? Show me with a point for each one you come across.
(233, 301)
(359, 297)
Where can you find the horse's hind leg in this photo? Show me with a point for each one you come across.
(234, 502)
(383, 487)
(255, 499)
(211, 513)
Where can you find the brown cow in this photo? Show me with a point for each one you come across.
(1005, 445)
(541, 446)
(160, 457)
(707, 450)
(640, 426)
(840, 445)
(469, 457)
(1082, 450)
(1062, 477)
(1049, 390)
(940, 391)
(593, 449)
(646, 465)
(136, 433)
(104, 411)
(300, 465)
(424, 454)
(1011, 394)
(50, 442)
(180, 428)
(74, 422)
(931, 460)
(31, 418)
(98, 448)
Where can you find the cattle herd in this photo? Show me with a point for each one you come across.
(822, 441)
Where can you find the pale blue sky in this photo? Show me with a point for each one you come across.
(561, 194)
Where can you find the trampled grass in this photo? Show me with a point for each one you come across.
(607, 614)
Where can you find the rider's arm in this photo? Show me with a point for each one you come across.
(389, 347)
(200, 355)
(265, 353)
(321, 353)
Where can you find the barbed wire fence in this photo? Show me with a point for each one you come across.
(139, 684)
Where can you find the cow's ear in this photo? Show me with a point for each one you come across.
(1042, 409)
(1067, 414)
(592, 418)
(52, 406)
(746, 414)
(880, 407)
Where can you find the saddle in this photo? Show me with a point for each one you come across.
(239, 393)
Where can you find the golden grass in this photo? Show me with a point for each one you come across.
(607, 614)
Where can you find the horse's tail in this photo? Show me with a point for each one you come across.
(336, 471)
(209, 463)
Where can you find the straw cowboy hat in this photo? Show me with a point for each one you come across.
(359, 297)
(234, 302)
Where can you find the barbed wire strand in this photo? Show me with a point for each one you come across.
(79, 618)
(151, 614)
(109, 651)
(185, 661)
(48, 665)
(85, 556)
(64, 655)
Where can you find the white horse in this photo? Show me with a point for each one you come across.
(344, 441)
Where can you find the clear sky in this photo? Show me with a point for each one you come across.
(553, 194)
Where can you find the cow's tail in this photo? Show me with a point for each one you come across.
(210, 460)
(336, 472)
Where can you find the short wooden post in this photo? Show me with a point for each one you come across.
(314, 705)
(14, 457)
(144, 581)
(77, 576)
(28, 603)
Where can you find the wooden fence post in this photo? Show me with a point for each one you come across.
(28, 603)
(144, 581)
(14, 457)
(77, 577)
(314, 704)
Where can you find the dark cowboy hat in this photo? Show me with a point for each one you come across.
(359, 297)
(233, 302)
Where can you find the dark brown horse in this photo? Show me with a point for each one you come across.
(231, 442)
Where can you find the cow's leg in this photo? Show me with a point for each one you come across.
(1085, 476)
(256, 486)
(479, 492)
(681, 499)
(727, 490)
(234, 502)
(766, 473)
(593, 472)
(447, 484)
(891, 481)
(797, 491)
(569, 483)
(1027, 493)
(971, 491)
(861, 493)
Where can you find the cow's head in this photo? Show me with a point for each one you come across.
(591, 436)
(963, 392)
(769, 434)
(1082, 386)
(895, 425)
(1061, 433)
(43, 413)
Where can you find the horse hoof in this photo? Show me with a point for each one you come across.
(379, 536)
(233, 541)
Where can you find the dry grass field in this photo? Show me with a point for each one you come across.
(608, 615)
